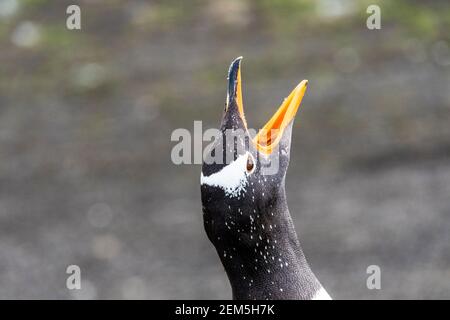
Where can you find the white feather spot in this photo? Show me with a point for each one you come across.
(231, 178)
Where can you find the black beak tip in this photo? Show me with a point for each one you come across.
(234, 67)
(233, 72)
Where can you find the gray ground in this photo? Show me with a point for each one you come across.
(86, 176)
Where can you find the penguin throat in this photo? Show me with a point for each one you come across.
(268, 262)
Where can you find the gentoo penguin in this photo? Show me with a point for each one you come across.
(245, 211)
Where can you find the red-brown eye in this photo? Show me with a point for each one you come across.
(250, 163)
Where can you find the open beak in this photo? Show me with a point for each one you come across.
(234, 94)
(269, 136)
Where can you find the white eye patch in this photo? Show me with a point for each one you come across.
(231, 178)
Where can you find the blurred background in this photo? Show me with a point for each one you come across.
(86, 116)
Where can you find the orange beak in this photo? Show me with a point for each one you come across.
(269, 136)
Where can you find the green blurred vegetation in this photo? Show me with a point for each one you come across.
(280, 37)
(286, 22)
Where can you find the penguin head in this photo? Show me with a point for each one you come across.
(243, 173)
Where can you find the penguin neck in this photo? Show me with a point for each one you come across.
(269, 262)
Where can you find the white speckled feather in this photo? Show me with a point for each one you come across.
(231, 178)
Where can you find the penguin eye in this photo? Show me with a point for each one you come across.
(250, 163)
